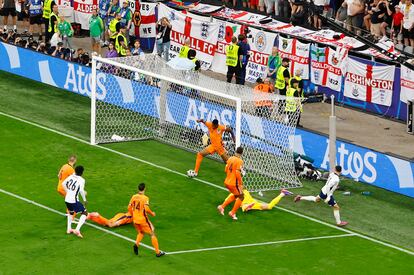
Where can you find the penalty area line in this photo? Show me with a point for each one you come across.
(64, 214)
(208, 183)
(261, 244)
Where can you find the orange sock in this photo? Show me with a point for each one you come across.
(228, 200)
(154, 241)
(139, 238)
(236, 206)
(99, 220)
(198, 162)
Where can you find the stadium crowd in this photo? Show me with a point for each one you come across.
(375, 19)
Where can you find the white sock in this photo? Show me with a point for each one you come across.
(337, 216)
(82, 220)
(69, 221)
(14, 27)
(308, 198)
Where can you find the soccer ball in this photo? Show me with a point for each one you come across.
(191, 173)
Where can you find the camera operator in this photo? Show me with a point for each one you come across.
(245, 52)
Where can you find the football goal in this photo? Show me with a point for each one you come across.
(141, 97)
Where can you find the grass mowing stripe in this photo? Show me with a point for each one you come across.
(209, 183)
(261, 244)
(175, 252)
(64, 214)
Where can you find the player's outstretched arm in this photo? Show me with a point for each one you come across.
(201, 120)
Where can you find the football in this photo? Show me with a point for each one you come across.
(191, 173)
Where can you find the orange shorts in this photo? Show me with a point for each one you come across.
(213, 149)
(146, 228)
(236, 190)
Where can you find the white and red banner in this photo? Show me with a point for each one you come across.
(260, 43)
(369, 83)
(298, 53)
(407, 84)
(328, 66)
(83, 10)
(203, 35)
(144, 24)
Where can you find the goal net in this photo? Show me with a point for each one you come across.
(140, 98)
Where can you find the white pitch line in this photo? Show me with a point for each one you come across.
(64, 214)
(261, 244)
(208, 183)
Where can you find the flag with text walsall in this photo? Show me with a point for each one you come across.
(369, 83)
(203, 34)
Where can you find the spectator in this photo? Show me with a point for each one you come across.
(192, 56)
(126, 17)
(318, 7)
(35, 16)
(253, 4)
(136, 49)
(121, 42)
(396, 26)
(273, 64)
(23, 14)
(111, 53)
(260, 5)
(377, 12)
(283, 76)
(341, 15)
(163, 38)
(47, 10)
(263, 107)
(183, 53)
(103, 14)
(408, 23)
(245, 51)
(355, 15)
(53, 22)
(114, 27)
(113, 10)
(387, 21)
(285, 8)
(234, 57)
(8, 8)
(96, 28)
(272, 5)
(65, 31)
(293, 104)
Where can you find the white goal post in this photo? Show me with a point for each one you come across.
(142, 98)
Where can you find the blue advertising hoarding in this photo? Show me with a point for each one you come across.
(358, 163)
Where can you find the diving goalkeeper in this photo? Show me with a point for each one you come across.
(250, 203)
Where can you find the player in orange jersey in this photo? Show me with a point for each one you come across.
(216, 131)
(65, 171)
(234, 183)
(139, 209)
(118, 220)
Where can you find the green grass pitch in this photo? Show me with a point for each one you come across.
(33, 238)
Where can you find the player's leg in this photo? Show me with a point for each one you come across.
(224, 156)
(238, 193)
(230, 198)
(276, 200)
(120, 219)
(139, 238)
(200, 155)
(84, 214)
(311, 198)
(337, 216)
(69, 218)
(96, 217)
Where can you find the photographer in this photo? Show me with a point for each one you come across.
(245, 52)
(163, 38)
(59, 50)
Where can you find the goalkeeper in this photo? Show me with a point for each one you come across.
(216, 131)
(249, 203)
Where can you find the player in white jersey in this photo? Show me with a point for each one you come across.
(75, 185)
(326, 194)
